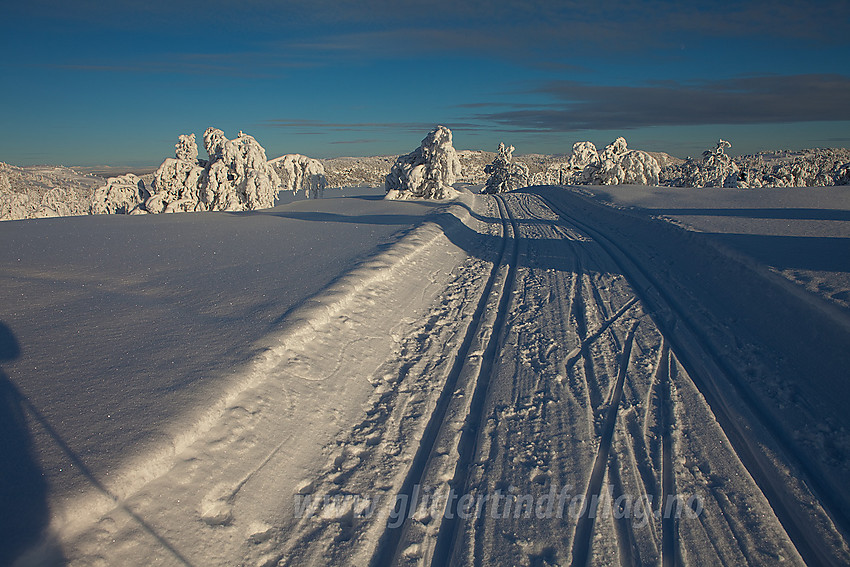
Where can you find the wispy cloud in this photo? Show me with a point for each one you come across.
(536, 29)
(743, 100)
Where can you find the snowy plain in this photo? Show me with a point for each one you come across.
(178, 384)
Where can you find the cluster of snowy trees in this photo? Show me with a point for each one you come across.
(236, 177)
(429, 171)
(43, 191)
(616, 164)
(807, 168)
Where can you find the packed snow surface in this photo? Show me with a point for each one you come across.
(547, 376)
(802, 233)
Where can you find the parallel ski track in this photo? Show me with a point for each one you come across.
(669, 536)
(584, 527)
(387, 549)
(467, 446)
(695, 359)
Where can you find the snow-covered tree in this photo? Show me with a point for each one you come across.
(619, 165)
(428, 171)
(615, 164)
(123, 194)
(301, 174)
(718, 169)
(236, 177)
(715, 170)
(505, 174)
(186, 149)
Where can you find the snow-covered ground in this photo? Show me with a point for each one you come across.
(530, 378)
(802, 233)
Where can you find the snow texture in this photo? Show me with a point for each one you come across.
(505, 174)
(301, 174)
(428, 172)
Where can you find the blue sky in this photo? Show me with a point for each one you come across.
(91, 82)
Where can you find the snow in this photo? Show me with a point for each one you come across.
(183, 383)
(428, 172)
(801, 233)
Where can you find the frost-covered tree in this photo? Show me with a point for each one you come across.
(504, 173)
(301, 174)
(123, 194)
(619, 165)
(615, 164)
(176, 183)
(236, 177)
(716, 169)
(428, 172)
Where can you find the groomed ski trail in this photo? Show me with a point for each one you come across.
(512, 383)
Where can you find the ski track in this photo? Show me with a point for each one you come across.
(541, 372)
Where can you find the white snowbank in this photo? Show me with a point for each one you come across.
(505, 175)
(427, 172)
